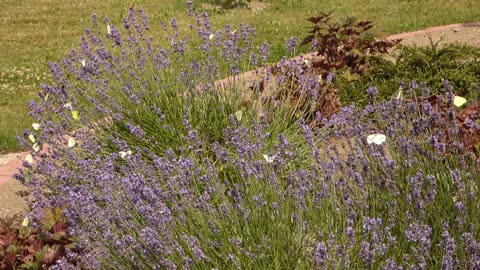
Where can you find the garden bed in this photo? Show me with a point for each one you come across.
(189, 176)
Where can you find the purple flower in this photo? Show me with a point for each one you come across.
(291, 44)
(320, 257)
(264, 50)
(136, 131)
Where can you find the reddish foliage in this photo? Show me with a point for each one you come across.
(339, 46)
(343, 45)
(464, 118)
(34, 248)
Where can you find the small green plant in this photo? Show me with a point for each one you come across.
(458, 64)
(25, 247)
(227, 4)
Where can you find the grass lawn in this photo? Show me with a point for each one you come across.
(34, 32)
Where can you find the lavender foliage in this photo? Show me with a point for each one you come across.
(165, 174)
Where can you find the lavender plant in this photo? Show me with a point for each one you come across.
(167, 170)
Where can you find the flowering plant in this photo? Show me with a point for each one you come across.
(170, 170)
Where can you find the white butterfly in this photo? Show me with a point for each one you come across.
(211, 36)
(376, 138)
(36, 126)
(29, 159)
(36, 147)
(109, 30)
(123, 154)
(68, 106)
(71, 142)
(83, 63)
(268, 158)
(400, 95)
(459, 101)
(307, 62)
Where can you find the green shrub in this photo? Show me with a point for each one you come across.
(458, 64)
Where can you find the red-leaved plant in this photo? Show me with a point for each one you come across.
(342, 45)
(341, 48)
(26, 247)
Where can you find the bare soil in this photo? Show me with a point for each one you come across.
(13, 194)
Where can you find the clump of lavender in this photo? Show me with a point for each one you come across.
(170, 171)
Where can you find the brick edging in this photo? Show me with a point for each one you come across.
(433, 29)
(11, 167)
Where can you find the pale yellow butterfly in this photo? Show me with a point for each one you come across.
(239, 115)
(71, 142)
(76, 115)
(32, 138)
(25, 222)
(459, 101)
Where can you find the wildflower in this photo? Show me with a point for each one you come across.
(372, 91)
(459, 101)
(330, 77)
(136, 131)
(36, 126)
(264, 49)
(377, 138)
(291, 44)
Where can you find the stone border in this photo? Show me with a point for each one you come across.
(11, 167)
(433, 29)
